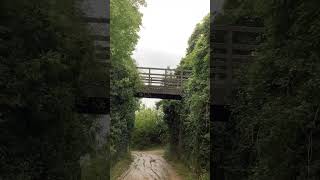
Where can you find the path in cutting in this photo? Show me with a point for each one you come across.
(149, 165)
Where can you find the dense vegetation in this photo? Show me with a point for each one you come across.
(125, 24)
(150, 129)
(274, 129)
(44, 49)
(188, 120)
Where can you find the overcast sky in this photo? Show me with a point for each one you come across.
(166, 28)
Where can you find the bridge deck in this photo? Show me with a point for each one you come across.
(162, 83)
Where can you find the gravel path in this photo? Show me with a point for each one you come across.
(149, 165)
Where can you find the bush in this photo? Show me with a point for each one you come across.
(149, 130)
(125, 18)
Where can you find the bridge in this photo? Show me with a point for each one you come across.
(162, 83)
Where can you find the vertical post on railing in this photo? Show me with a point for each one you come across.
(165, 77)
(149, 76)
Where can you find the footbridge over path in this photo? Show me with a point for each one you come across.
(162, 83)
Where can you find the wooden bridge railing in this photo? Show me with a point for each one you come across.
(170, 78)
(162, 83)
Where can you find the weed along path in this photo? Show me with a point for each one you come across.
(149, 165)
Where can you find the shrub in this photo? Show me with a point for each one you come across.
(149, 130)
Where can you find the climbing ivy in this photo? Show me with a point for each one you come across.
(44, 49)
(188, 120)
(125, 24)
(274, 131)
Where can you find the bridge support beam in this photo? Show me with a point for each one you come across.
(158, 96)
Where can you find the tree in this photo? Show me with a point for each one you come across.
(125, 24)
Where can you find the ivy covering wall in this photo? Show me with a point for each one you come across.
(188, 120)
(274, 129)
(44, 51)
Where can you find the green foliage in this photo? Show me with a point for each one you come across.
(125, 24)
(44, 49)
(188, 120)
(149, 130)
(121, 166)
(274, 130)
(184, 172)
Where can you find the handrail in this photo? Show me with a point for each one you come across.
(166, 79)
(165, 69)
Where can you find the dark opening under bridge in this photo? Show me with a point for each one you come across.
(162, 83)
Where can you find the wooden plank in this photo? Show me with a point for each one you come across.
(156, 74)
(168, 79)
(161, 87)
(161, 83)
(164, 88)
(158, 96)
(163, 77)
(146, 77)
(163, 69)
(149, 76)
(156, 68)
(170, 76)
(160, 79)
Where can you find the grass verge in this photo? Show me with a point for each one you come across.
(185, 173)
(182, 170)
(120, 167)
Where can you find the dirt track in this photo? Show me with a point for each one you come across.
(149, 165)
